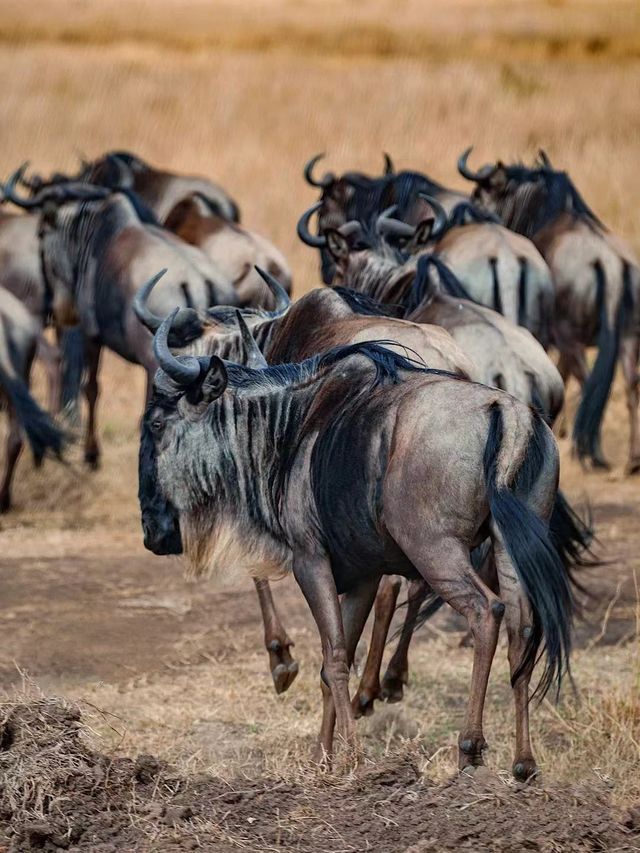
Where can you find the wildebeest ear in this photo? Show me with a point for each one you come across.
(424, 231)
(214, 381)
(337, 244)
(50, 214)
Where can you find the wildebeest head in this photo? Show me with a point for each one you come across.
(526, 199)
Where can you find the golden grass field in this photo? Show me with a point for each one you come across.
(245, 92)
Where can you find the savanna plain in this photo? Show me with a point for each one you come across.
(170, 735)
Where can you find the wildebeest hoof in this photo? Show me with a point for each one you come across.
(284, 674)
(470, 752)
(363, 703)
(393, 687)
(524, 768)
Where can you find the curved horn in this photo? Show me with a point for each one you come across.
(141, 310)
(280, 295)
(125, 177)
(302, 229)
(185, 369)
(543, 157)
(389, 168)
(386, 225)
(350, 227)
(324, 182)
(482, 175)
(9, 189)
(440, 213)
(255, 358)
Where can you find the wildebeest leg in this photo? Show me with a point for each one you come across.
(397, 674)
(283, 668)
(314, 576)
(14, 447)
(49, 355)
(445, 565)
(629, 355)
(369, 689)
(572, 362)
(518, 621)
(91, 447)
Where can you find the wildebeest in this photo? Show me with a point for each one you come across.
(21, 275)
(235, 250)
(597, 282)
(291, 332)
(159, 189)
(97, 248)
(19, 335)
(357, 197)
(358, 463)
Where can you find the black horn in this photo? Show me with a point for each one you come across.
(142, 312)
(385, 224)
(389, 168)
(324, 182)
(482, 175)
(255, 358)
(313, 240)
(280, 295)
(9, 189)
(441, 218)
(544, 160)
(184, 369)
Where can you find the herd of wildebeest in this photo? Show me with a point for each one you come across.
(392, 428)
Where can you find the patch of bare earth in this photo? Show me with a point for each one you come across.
(57, 792)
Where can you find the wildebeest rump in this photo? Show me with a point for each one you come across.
(597, 282)
(235, 250)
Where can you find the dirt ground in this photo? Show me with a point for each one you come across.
(169, 735)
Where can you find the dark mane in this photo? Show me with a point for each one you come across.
(535, 197)
(407, 185)
(424, 288)
(360, 303)
(465, 213)
(388, 366)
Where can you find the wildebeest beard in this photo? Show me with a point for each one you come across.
(269, 466)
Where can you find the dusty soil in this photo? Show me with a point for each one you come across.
(59, 793)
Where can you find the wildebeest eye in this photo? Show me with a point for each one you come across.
(156, 425)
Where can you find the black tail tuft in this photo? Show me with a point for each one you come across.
(522, 292)
(573, 539)
(595, 393)
(423, 287)
(73, 365)
(497, 297)
(41, 431)
(536, 559)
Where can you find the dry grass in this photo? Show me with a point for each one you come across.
(421, 82)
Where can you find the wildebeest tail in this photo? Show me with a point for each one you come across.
(423, 286)
(596, 390)
(41, 431)
(73, 365)
(530, 545)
